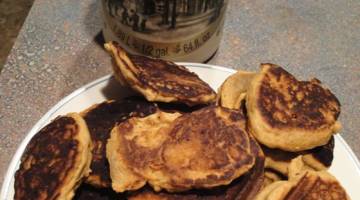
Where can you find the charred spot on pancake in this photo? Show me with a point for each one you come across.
(324, 154)
(278, 154)
(47, 160)
(285, 101)
(88, 192)
(166, 77)
(100, 120)
(178, 107)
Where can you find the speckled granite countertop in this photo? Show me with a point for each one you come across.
(55, 53)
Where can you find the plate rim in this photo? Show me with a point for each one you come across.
(41, 122)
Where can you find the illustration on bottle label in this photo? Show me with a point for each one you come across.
(164, 28)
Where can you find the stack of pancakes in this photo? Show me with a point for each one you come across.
(293, 121)
(179, 140)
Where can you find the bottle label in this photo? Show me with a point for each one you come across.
(164, 28)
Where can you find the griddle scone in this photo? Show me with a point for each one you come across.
(55, 160)
(100, 119)
(135, 143)
(159, 80)
(304, 184)
(318, 158)
(289, 114)
(244, 188)
(207, 148)
(233, 90)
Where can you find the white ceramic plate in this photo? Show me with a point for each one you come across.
(346, 167)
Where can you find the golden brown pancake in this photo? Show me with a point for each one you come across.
(55, 160)
(289, 114)
(100, 119)
(159, 80)
(233, 90)
(319, 158)
(243, 188)
(304, 184)
(207, 148)
(317, 185)
(136, 143)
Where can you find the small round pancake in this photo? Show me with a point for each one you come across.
(289, 114)
(319, 158)
(214, 146)
(317, 185)
(243, 188)
(304, 184)
(55, 160)
(135, 143)
(310, 186)
(100, 119)
(207, 148)
(233, 90)
(159, 80)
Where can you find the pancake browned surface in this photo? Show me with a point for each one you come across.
(100, 119)
(243, 188)
(55, 160)
(233, 90)
(304, 184)
(319, 158)
(289, 114)
(136, 143)
(207, 148)
(160, 80)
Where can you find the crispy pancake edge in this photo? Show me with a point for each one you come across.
(126, 67)
(275, 137)
(102, 117)
(81, 162)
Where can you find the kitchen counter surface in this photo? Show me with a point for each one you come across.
(56, 52)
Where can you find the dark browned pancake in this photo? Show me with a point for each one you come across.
(160, 80)
(319, 158)
(55, 160)
(88, 192)
(289, 114)
(243, 188)
(206, 148)
(101, 118)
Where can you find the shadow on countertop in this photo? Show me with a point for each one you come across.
(12, 15)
